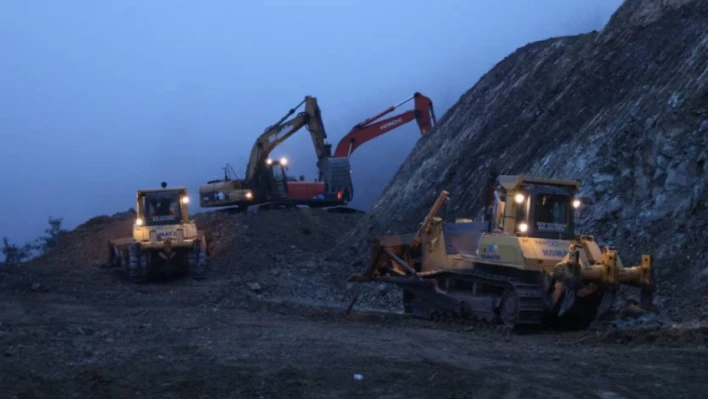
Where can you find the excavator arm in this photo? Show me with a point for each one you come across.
(367, 130)
(316, 128)
(274, 135)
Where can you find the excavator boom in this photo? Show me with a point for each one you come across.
(274, 135)
(367, 130)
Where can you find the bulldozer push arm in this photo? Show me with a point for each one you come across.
(386, 261)
(279, 132)
(367, 130)
(425, 226)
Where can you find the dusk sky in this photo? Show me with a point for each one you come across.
(100, 98)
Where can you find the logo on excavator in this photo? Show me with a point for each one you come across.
(390, 124)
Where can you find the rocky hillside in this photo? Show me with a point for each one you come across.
(625, 110)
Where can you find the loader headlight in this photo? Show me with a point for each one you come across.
(185, 200)
(138, 222)
(249, 195)
(519, 198)
(283, 161)
(269, 161)
(576, 203)
(523, 227)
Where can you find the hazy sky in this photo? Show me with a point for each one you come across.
(99, 98)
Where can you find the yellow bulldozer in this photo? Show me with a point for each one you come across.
(164, 239)
(521, 265)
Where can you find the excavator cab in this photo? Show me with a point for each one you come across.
(285, 189)
(531, 207)
(278, 184)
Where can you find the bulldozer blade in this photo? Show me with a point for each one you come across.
(400, 262)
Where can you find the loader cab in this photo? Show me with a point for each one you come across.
(161, 207)
(539, 208)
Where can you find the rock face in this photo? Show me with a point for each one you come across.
(624, 110)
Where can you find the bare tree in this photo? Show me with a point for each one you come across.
(14, 255)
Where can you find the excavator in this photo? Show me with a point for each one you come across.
(266, 180)
(367, 130)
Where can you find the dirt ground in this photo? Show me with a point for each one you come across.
(86, 332)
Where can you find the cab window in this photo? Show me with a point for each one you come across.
(278, 173)
(162, 209)
(551, 212)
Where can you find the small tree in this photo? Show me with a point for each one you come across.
(14, 255)
(53, 237)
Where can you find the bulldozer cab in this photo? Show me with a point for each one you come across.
(162, 206)
(532, 207)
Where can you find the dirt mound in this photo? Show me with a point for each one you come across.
(87, 243)
(247, 243)
(273, 253)
(280, 255)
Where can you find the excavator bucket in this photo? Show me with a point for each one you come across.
(425, 113)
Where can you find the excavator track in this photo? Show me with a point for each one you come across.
(515, 305)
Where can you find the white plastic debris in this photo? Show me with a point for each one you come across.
(358, 377)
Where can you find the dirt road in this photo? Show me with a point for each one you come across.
(186, 340)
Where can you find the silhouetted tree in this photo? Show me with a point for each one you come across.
(53, 237)
(14, 255)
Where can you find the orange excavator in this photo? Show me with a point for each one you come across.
(423, 113)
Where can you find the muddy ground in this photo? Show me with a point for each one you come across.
(84, 331)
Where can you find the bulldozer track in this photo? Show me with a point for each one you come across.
(530, 309)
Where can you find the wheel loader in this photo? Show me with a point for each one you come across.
(520, 266)
(164, 240)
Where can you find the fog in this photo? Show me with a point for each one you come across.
(100, 98)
